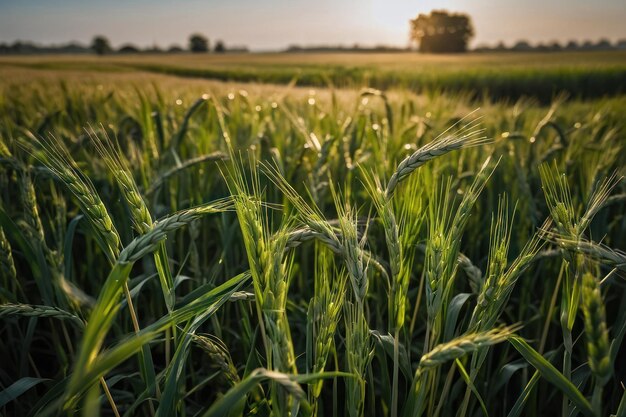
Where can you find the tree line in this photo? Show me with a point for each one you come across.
(439, 31)
(554, 46)
(100, 45)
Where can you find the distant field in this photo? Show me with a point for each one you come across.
(497, 75)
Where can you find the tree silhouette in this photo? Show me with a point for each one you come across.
(442, 32)
(522, 45)
(101, 45)
(198, 43)
(175, 49)
(128, 49)
(219, 47)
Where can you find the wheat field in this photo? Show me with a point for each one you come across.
(177, 246)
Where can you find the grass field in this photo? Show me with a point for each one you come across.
(273, 245)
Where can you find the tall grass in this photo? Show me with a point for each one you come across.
(311, 253)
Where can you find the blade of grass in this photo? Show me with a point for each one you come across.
(551, 374)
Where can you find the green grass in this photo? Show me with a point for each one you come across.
(188, 247)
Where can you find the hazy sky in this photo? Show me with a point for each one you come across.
(271, 24)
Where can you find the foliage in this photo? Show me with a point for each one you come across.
(273, 251)
(198, 43)
(100, 45)
(219, 47)
(442, 32)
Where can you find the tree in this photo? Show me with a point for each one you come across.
(154, 49)
(587, 45)
(442, 32)
(603, 45)
(522, 46)
(175, 49)
(101, 45)
(554, 46)
(198, 43)
(128, 49)
(500, 47)
(219, 48)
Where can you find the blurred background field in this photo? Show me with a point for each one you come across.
(495, 75)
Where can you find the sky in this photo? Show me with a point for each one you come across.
(275, 24)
